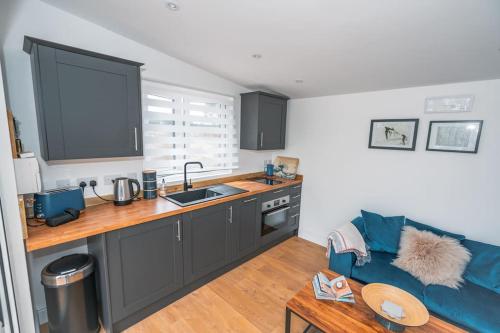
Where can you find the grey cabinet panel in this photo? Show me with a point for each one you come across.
(249, 129)
(247, 226)
(293, 221)
(88, 105)
(206, 240)
(263, 121)
(295, 189)
(294, 198)
(145, 264)
(272, 113)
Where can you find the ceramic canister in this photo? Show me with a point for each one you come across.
(149, 184)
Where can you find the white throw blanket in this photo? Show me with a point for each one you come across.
(346, 239)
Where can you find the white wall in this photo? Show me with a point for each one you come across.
(453, 191)
(10, 222)
(43, 21)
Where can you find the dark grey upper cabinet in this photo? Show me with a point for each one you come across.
(88, 104)
(144, 263)
(206, 240)
(263, 121)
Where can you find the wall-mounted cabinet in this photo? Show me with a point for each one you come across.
(263, 121)
(88, 104)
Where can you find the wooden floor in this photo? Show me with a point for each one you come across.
(250, 298)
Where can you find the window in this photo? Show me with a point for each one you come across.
(181, 125)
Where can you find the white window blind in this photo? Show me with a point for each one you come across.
(181, 125)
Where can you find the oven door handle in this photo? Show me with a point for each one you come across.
(277, 211)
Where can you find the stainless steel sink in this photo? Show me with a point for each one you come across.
(196, 196)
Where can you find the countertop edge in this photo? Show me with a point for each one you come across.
(38, 245)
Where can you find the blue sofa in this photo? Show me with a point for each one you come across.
(475, 306)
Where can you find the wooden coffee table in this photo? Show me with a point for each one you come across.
(329, 316)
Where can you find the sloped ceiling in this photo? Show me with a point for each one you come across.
(334, 46)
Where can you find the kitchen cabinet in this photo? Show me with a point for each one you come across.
(207, 240)
(88, 104)
(295, 201)
(144, 267)
(144, 264)
(263, 121)
(246, 226)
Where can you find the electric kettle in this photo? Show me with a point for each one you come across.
(124, 190)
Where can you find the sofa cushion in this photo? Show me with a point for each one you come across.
(439, 232)
(381, 270)
(471, 306)
(432, 259)
(359, 223)
(484, 268)
(382, 233)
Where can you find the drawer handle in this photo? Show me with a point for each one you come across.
(278, 191)
(297, 196)
(277, 211)
(250, 200)
(179, 230)
(298, 186)
(294, 216)
(296, 206)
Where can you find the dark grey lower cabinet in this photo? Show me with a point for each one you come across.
(246, 226)
(145, 267)
(145, 264)
(206, 240)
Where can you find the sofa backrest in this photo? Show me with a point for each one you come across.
(484, 267)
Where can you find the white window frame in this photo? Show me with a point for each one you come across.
(230, 144)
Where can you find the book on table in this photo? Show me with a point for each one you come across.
(332, 290)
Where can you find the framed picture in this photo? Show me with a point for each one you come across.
(400, 134)
(449, 104)
(460, 136)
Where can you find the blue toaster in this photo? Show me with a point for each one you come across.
(53, 202)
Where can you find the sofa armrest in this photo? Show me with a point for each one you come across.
(341, 263)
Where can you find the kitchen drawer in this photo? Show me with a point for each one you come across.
(274, 194)
(293, 220)
(294, 208)
(295, 198)
(296, 189)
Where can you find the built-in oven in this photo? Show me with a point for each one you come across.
(275, 214)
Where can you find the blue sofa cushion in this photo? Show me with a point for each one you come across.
(359, 223)
(381, 270)
(484, 267)
(382, 233)
(439, 232)
(471, 306)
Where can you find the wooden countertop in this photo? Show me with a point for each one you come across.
(107, 217)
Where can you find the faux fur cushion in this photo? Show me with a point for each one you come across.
(431, 258)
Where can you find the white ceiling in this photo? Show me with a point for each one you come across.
(334, 46)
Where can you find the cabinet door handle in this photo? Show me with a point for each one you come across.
(296, 206)
(135, 138)
(231, 214)
(294, 216)
(298, 186)
(297, 196)
(278, 211)
(278, 191)
(179, 230)
(250, 200)
(261, 139)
